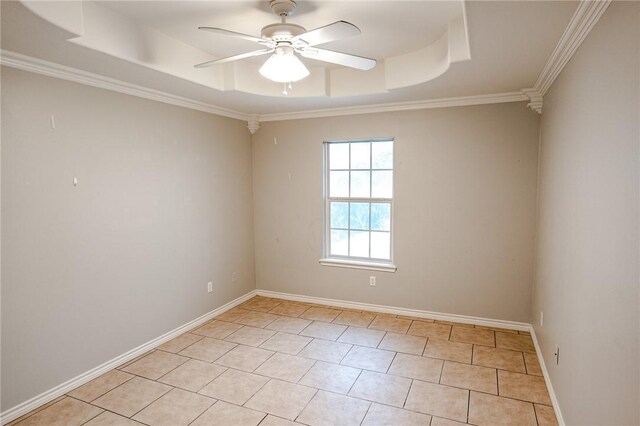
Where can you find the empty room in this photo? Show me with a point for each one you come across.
(282, 212)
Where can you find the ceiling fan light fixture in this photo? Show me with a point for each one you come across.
(284, 66)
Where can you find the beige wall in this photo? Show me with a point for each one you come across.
(464, 209)
(90, 272)
(587, 275)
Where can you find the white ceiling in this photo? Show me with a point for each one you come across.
(509, 44)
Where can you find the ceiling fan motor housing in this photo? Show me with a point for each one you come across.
(282, 31)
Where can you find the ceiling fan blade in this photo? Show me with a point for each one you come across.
(345, 59)
(336, 31)
(234, 58)
(235, 34)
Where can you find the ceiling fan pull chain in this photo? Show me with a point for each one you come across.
(284, 92)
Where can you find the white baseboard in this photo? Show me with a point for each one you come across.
(547, 379)
(35, 402)
(511, 325)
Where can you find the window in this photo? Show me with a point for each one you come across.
(359, 203)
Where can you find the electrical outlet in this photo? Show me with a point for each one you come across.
(372, 281)
(209, 287)
(234, 277)
(541, 318)
(557, 354)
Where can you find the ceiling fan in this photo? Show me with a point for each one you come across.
(284, 40)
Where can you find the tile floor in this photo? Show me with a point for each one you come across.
(275, 362)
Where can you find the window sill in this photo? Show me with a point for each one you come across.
(340, 263)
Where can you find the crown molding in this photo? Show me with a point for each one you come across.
(399, 106)
(51, 69)
(40, 66)
(582, 22)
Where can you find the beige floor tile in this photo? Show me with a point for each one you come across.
(414, 318)
(246, 358)
(475, 336)
(515, 342)
(502, 330)
(325, 350)
(155, 365)
(471, 377)
(498, 358)
(179, 343)
(66, 412)
(430, 330)
(217, 329)
(385, 323)
(545, 415)
(286, 343)
(439, 421)
(383, 388)
(493, 410)
(234, 386)
(524, 387)
(330, 377)
(177, 407)
(330, 409)
(277, 421)
(453, 323)
(37, 409)
(452, 351)
(257, 319)
(281, 399)
(100, 385)
(285, 367)
(131, 361)
(383, 415)
(320, 314)
(403, 343)
(289, 309)
(362, 336)
(416, 367)
(208, 349)
(250, 336)
(532, 363)
(260, 304)
(323, 330)
(193, 375)
(132, 396)
(110, 419)
(289, 325)
(438, 400)
(232, 314)
(224, 414)
(356, 319)
(368, 358)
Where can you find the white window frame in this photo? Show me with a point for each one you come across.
(384, 265)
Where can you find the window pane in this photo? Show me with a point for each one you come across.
(340, 243)
(360, 184)
(340, 215)
(339, 184)
(382, 155)
(381, 185)
(359, 241)
(338, 156)
(380, 216)
(359, 216)
(360, 155)
(381, 245)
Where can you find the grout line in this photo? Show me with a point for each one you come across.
(407, 396)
